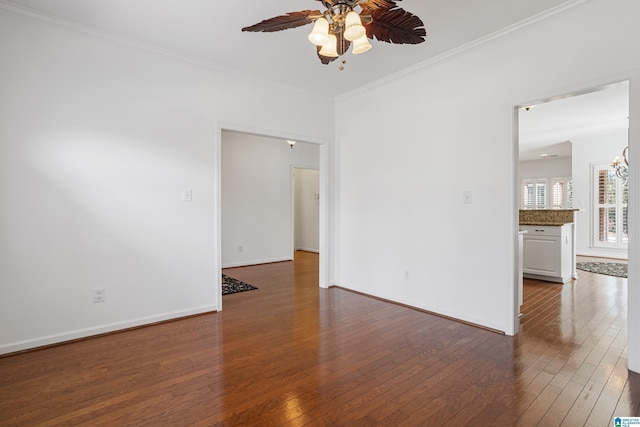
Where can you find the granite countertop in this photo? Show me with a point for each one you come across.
(550, 210)
(548, 224)
(548, 217)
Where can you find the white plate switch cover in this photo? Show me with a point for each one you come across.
(467, 197)
(98, 295)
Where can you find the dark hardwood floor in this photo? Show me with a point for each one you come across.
(292, 354)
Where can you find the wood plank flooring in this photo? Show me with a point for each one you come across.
(291, 354)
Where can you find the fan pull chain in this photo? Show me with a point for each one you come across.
(341, 67)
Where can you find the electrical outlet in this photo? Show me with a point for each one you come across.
(406, 275)
(98, 295)
(240, 249)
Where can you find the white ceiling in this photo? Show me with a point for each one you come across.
(209, 31)
(550, 128)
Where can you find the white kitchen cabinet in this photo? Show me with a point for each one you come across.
(547, 252)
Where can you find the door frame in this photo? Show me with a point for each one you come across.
(633, 306)
(293, 204)
(324, 239)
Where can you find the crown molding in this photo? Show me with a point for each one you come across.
(555, 11)
(92, 31)
(24, 12)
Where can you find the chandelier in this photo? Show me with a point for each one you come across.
(622, 170)
(350, 23)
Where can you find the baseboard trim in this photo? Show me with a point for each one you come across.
(94, 332)
(422, 310)
(315, 251)
(258, 262)
(606, 257)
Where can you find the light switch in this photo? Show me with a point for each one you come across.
(187, 195)
(467, 197)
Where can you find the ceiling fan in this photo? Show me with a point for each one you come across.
(340, 26)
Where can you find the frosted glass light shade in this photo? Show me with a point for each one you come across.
(353, 27)
(330, 48)
(361, 45)
(320, 33)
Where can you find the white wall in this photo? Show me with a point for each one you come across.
(98, 140)
(448, 128)
(546, 168)
(307, 210)
(599, 147)
(257, 221)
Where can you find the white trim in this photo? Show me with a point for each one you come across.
(328, 247)
(611, 254)
(256, 262)
(633, 77)
(619, 245)
(317, 251)
(512, 314)
(293, 209)
(633, 354)
(86, 29)
(453, 315)
(557, 10)
(103, 329)
(217, 207)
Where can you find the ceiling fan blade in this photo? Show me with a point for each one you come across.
(395, 26)
(284, 22)
(378, 4)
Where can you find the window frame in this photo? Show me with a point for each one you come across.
(549, 199)
(621, 242)
(536, 182)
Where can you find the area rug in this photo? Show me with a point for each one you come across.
(609, 268)
(232, 286)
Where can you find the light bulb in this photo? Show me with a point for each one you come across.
(353, 28)
(361, 45)
(330, 48)
(320, 33)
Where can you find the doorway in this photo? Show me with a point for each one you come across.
(306, 209)
(255, 204)
(560, 141)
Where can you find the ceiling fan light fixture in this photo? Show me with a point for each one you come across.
(340, 25)
(320, 33)
(361, 45)
(330, 48)
(353, 27)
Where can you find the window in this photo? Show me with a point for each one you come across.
(611, 196)
(536, 193)
(561, 193)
